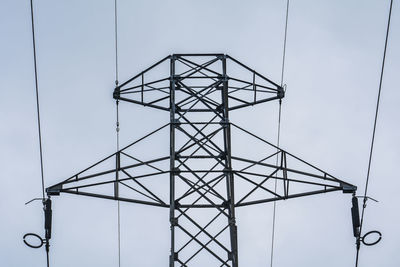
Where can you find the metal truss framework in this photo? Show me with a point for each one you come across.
(207, 181)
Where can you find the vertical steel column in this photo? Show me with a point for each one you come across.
(117, 167)
(228, 167)
(172, 218)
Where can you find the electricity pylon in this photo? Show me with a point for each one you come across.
(203, 178)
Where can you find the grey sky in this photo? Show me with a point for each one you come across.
(333, 61)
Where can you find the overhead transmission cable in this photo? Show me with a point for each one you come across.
(117, 121)
(37, 97)
(38, 122)
(279, 131)
(365, 197)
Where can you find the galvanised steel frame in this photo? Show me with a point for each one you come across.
(206, 181)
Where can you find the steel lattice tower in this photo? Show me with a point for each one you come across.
(206, 180)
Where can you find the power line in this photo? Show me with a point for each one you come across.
(39, 128)
(118, 203)
(284, 41)
(37, 97)
(279, 131)
(275, 187)
(116, 40)
(374, 130)
(117, 123)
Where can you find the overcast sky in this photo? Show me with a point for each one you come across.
(334, 54)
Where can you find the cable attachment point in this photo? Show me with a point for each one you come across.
(116, 93)
(281, 92)
(47, 227)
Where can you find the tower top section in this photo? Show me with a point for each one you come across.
(196, 81)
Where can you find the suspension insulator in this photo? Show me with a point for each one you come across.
(355, 215)
(47, 217)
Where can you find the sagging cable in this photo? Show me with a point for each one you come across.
(361, 238)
